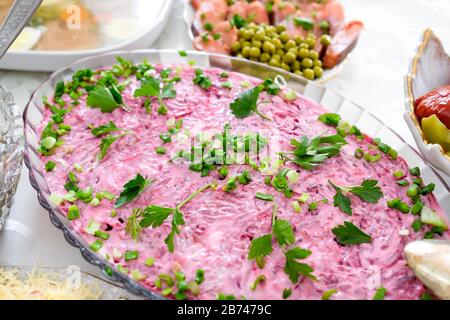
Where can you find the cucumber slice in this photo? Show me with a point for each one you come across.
(430, 217)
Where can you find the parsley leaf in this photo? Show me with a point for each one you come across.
(238, 21)
(133, 226)
(348, 234)
(131, 190)
(151, 87)
(260, 247)
(295, 269)
(368, 191)
(155, 216)
(104, 129)
(341, 201)
(106, 143)
(177, 221)
(247, 103)
(283, 232)
(104, 98)
(310, 153)
(202, 80)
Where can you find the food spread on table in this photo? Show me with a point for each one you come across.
(433, 112)
(300, 36)
(200, 183)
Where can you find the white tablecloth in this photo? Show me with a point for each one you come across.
(373, 78)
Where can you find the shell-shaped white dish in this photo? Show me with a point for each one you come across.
(429, 69)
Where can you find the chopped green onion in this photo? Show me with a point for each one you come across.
(73, 213)
(223, 172)
(415, 171)
(50, 166)
(149, 261)
(417, 225)
(398, 174)
(131, 255)
(412, 191)
(304, 197)
(95, 202)
(258, 280)
(417, 207)
(264, 196)
(182, 53)
(96, 246)
(327, 294)
(359, 153)
(297, 207)
(199, 276)
(402, 183)
(160, 150)
(78, 168)
(427, 189)
(102, 235)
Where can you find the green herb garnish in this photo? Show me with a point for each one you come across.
(247, 103)
(105, 129)
(348, 234)
(264, 196)
(131, 190)
(380, 294)
(107, 99)
(202, 80)
(106, 143)
(151, 87)
(368, 191)
(310, 153)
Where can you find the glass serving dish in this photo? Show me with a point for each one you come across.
(11, 151)
(334, 102)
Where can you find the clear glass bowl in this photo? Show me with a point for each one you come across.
(334, 102)
(11, 151)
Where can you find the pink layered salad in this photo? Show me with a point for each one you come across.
(203, 184)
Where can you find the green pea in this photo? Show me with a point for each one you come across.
(277, 43)
(318, 72)
(269, 47)
(245, 52)
(303, 45)
(286, 67)
(274, 63)
(289, 57)
(317, 63)
(299, 73)
(276, 57)
(298, 40)
(280, 52)
(265, 57)
(236, 47)
(247, 34)
(284, 37)
(294, 51)
(295, 66)
(308, 74)
(310, 42)
(303, 53)
(260, 35)
(314, 55)
(257, 44)
(325, 39)
(290, 44)
(254, 52)
(245, 44)
(307, 63)
(280, 28)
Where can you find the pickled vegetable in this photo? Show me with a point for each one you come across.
(436, 132)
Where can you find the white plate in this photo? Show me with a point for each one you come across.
(32, 60)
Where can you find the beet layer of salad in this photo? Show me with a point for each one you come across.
(205, 184)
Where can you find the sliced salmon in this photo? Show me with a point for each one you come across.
(228, 33)
(342, 43)
(210, 45)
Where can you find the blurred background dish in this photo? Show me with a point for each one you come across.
(62, 31)
(11, 148)
(32, 283)
(427, 89)
(309, 38)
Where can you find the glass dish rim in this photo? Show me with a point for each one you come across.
(76, 240)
